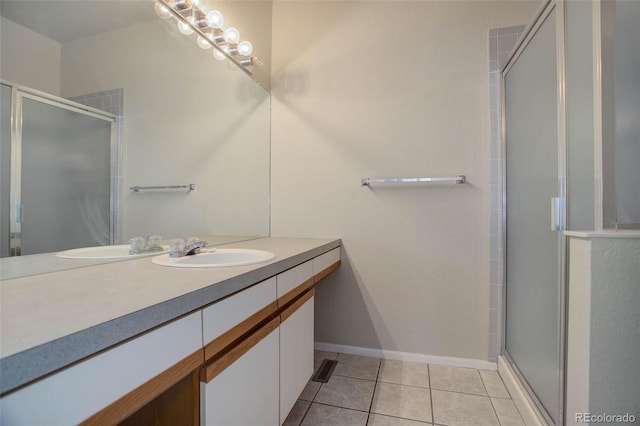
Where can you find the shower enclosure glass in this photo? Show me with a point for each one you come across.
(533, 190)
(620, 78)
(59, 188)
(5, 168)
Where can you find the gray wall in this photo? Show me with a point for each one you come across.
(387, 89)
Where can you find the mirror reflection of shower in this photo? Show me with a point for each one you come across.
(59, 181)
(209, 128)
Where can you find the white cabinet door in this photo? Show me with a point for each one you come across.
(296, 352)
(75, 393)
(246, 392)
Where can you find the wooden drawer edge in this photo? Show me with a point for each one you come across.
(297, 304)
(140, 396)
(291, 295)
(223, 341)
(211, 371)
(326, 271)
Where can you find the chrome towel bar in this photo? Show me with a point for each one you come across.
(456, 179)
(189, 186)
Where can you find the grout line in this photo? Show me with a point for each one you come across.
(433, 416)
(495, 412)
(337, 406)
(375, 387)
(352, 377)
(462, 393)
(305, 412)
(490, 401)
(404, 384)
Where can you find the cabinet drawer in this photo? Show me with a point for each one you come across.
(229, 319)
(326, 263)
(294, 281)
(76, 393)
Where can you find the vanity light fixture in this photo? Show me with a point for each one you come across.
(203, 43)
(215, 19)
(162, 11)
(231, 35)
(186, 27)
(193, 17)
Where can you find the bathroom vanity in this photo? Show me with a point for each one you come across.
(133, 342)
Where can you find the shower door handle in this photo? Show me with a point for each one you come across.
(558, 214)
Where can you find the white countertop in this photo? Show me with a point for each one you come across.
(61, 317)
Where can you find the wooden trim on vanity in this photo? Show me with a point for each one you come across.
(210, 372)
(295, 305)
(320, 275)
(195, 383)
(227, 348)
(301, 289)
(295, 292)
(218, 344)
(140, 396)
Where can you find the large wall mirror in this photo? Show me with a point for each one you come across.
(105, 96)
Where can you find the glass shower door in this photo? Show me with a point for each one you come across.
(5, 168)
(532, 326)
(65, 177)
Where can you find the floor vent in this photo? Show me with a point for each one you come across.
(323, 374)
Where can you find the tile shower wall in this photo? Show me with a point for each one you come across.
(112, 101)
(501, 43)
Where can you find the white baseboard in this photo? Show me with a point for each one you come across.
(407, 356)
(527, 408)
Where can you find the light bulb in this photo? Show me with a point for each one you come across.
(197, 3)
(245, 48)
(218, 55)
(231, 35)
(215, 19)
(162, 11)
(203, 43)
(180, 5)
(185, 28)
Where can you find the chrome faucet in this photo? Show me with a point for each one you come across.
(186, 246)
(140, 245)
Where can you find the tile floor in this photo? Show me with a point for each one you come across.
(370, 391)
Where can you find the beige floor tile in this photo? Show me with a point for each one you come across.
(493, 384)
(507, 412)
(407, 402)
(380, 420)
(324, 415)
(361, 367)
(455, 379)
(310, 390)
(319, 356)
(346, 392)
(459, 409)
(297, 413)
(404, 373)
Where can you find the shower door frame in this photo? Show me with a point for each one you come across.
(18, 93)
(560, 28)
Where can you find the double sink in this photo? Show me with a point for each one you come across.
(207, 258)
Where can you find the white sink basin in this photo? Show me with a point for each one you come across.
(216, 258)
(105, 252)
